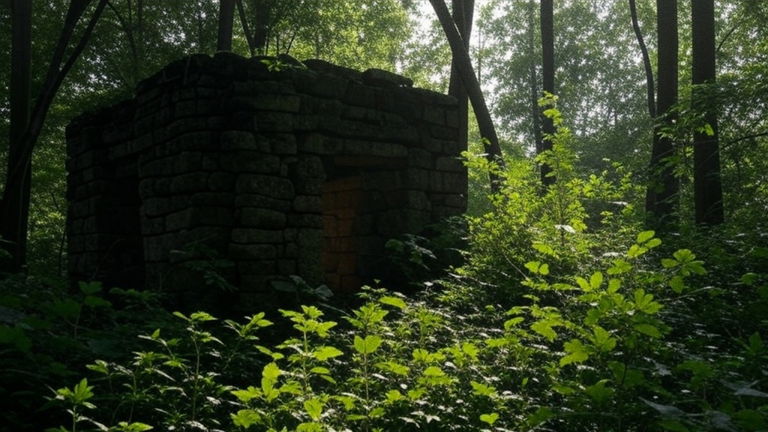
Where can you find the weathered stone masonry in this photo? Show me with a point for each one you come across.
(304, 171)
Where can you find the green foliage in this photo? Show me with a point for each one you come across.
(594, 350)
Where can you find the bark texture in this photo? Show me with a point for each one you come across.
(707, 187)
(548, 81)
(663, 185)
(469, 80)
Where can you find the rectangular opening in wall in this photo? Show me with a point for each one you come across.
(342, 200)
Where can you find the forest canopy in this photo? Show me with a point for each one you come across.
(610, 272)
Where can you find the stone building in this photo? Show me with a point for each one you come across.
(258, 169)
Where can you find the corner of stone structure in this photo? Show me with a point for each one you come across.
(224, 175)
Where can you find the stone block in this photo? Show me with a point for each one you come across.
(305, 220)
(307, 204)
(191, 182)
(382, 78)
(286, 267)
(282, 144)
(241, 140)
(250, 162)
(270, 186)
(451, 164)
(434, 115)
(420, 158)
(255, 235)
(262, 267)
(252, 251)
(261, 201)
(274, 121)
(261, 218)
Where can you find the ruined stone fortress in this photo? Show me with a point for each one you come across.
(274, 167)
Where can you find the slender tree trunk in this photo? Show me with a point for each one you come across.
(262, 11)
(13, 230)
(650, 86)
(533, 80)
(463, 13)
(548, 80)
(469, 80)
(226, 16)
(246, 28)
(14, 207)
(707, 189)
(663, 187)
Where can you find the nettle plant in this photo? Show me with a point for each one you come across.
(578, 355)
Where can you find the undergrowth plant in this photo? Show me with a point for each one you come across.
(566, 316)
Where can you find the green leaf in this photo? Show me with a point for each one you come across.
(367, 345)
(544, 328)
(540, 416)
(481, 389)
(394, 367)
(246, 395)
(620, 266)
(533, 266)
(15, 336)
(583, 284)
(655, 242)
(648, 330)
(544, 269)
(602, 339)
(433, 371)
(314, 408)
(636, 250)
(326, 352)
(489, 418)
(394, 301)
(96, 302)
(677, 283)
(269, 376)
(577, 352)
(599, 392)
(201, 317)
(470, 350)
(596, 280)
(544, 248)
(394, 396)
(67, 309)
(133, 427)
(749, 279)
(669, 263)
(684, 255)
(614, 285)
(645, 236)
(644, 302)
(309, 427)
(665, 410)
(89, 288)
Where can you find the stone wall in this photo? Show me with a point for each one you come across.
(280, 169)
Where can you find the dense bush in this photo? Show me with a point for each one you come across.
(565, 316)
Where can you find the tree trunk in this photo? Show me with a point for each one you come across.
(13, 230)
(548, 81)
(226, 16)
(469, 80)
(262, 10)
(707, 189)
(246, 28)
(663, 185)
(650, 86)
(463, 13)
(533, 81)
(14, 206)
